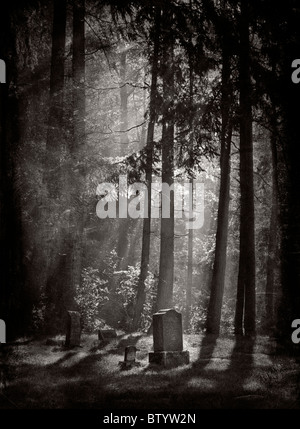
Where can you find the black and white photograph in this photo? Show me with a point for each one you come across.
(150, 208)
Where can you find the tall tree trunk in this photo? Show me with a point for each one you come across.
(245, 306)
(124, 103)
(143, 137)
(123, 224)
(189, 283)
(77, 187)
(52, 173)
(78, 70)
(14, 299)
(166, 263)
(272, 265)
(55, 283)
(218, 277)
(141, 293)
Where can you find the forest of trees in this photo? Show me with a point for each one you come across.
(177, 91)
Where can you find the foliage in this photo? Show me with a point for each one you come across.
(198, 318)
(90, 295)
(94, 293)
(126, 290)
(148, 309)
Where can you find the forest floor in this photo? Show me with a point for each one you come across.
(222, 374)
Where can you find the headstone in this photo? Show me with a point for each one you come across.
(106, 334)
(2, 331)
(130, 353)
(167, 339)
(73, 329)
(2, 72)
(129, 358)
(167, 331)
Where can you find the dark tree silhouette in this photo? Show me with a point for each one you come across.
(145, 258)
(166, 263)
(245, 306)
(53, 174)
(15, 303)
(218, 277)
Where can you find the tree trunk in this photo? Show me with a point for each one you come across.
(124, 103)
(15, 307)
(166, 263)
(245, 306)
(141, 293)
(53, 175)
(189, 283)
(77, 185)
(272, 262)
(218, 277)
(123, 224)
(78, 70)
(143, 136)
(54, 144)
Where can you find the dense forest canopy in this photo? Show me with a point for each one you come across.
(157, 92)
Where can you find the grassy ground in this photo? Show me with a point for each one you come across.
(222, 374)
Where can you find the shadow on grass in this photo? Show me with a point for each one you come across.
(203, 384)
(127, 340)
(63, 359)
(219, 378)
(207, 348)
(117, 345)
(240, 368)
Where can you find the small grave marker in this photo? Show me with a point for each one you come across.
(73, 329)
(106, 334)
(129, 358)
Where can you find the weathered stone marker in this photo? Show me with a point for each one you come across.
(129, 358)
(167, 331)
(167, 339)
(73, 329)
(2, 72)
(130, 353)
(106, 334)
(2, 331)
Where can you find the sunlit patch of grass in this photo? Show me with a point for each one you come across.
(221, 374)
(252, 385)
(262, 360)
(201, 383)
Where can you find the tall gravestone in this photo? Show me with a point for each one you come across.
(73, 329)
(167, 339)
(2, 72)
(2, 331)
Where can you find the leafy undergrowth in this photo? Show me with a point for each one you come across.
(223, 373)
